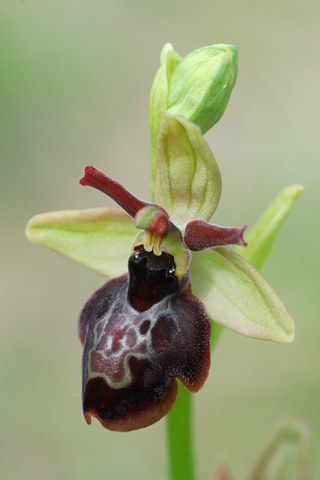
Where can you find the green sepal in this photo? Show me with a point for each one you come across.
(201, 85)
(188, 181)
(261, 236)
(236, 296)
(169, 59)
(99, 239)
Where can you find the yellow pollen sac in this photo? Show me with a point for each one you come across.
(152, 242)
(157, 244)
(148, 242)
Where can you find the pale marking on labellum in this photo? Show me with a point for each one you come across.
(129, 319)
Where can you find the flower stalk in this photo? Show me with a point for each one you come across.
(181, 438)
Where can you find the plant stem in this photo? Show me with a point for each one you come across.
(179, 428)
(180, 438)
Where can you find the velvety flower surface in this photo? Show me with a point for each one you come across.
(142, 330)
(131, 357)
(148, 325)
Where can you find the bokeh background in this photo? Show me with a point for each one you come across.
(74, 90)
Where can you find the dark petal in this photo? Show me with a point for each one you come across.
(131, 358)
(200, 235)
(96, 179)
(131, 204)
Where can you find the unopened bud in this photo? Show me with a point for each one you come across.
(201, 85)
(197, 87)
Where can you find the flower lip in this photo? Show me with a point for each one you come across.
(133, 354)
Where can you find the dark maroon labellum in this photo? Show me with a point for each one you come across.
(140, 332)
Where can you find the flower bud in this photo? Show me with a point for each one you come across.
(197, 87)
(169, 60)
(286, 456)
(201, 85)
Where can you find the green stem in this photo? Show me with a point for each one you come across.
(216, 331)
(179, 428)
(180, 438)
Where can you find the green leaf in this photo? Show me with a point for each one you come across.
(169, 60)
(188, 181)
(261, 236)
(237, 297)
(99, 239)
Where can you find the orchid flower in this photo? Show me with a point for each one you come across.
(168, 269)
(149, 324)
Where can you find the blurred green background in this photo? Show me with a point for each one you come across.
(74, 90)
